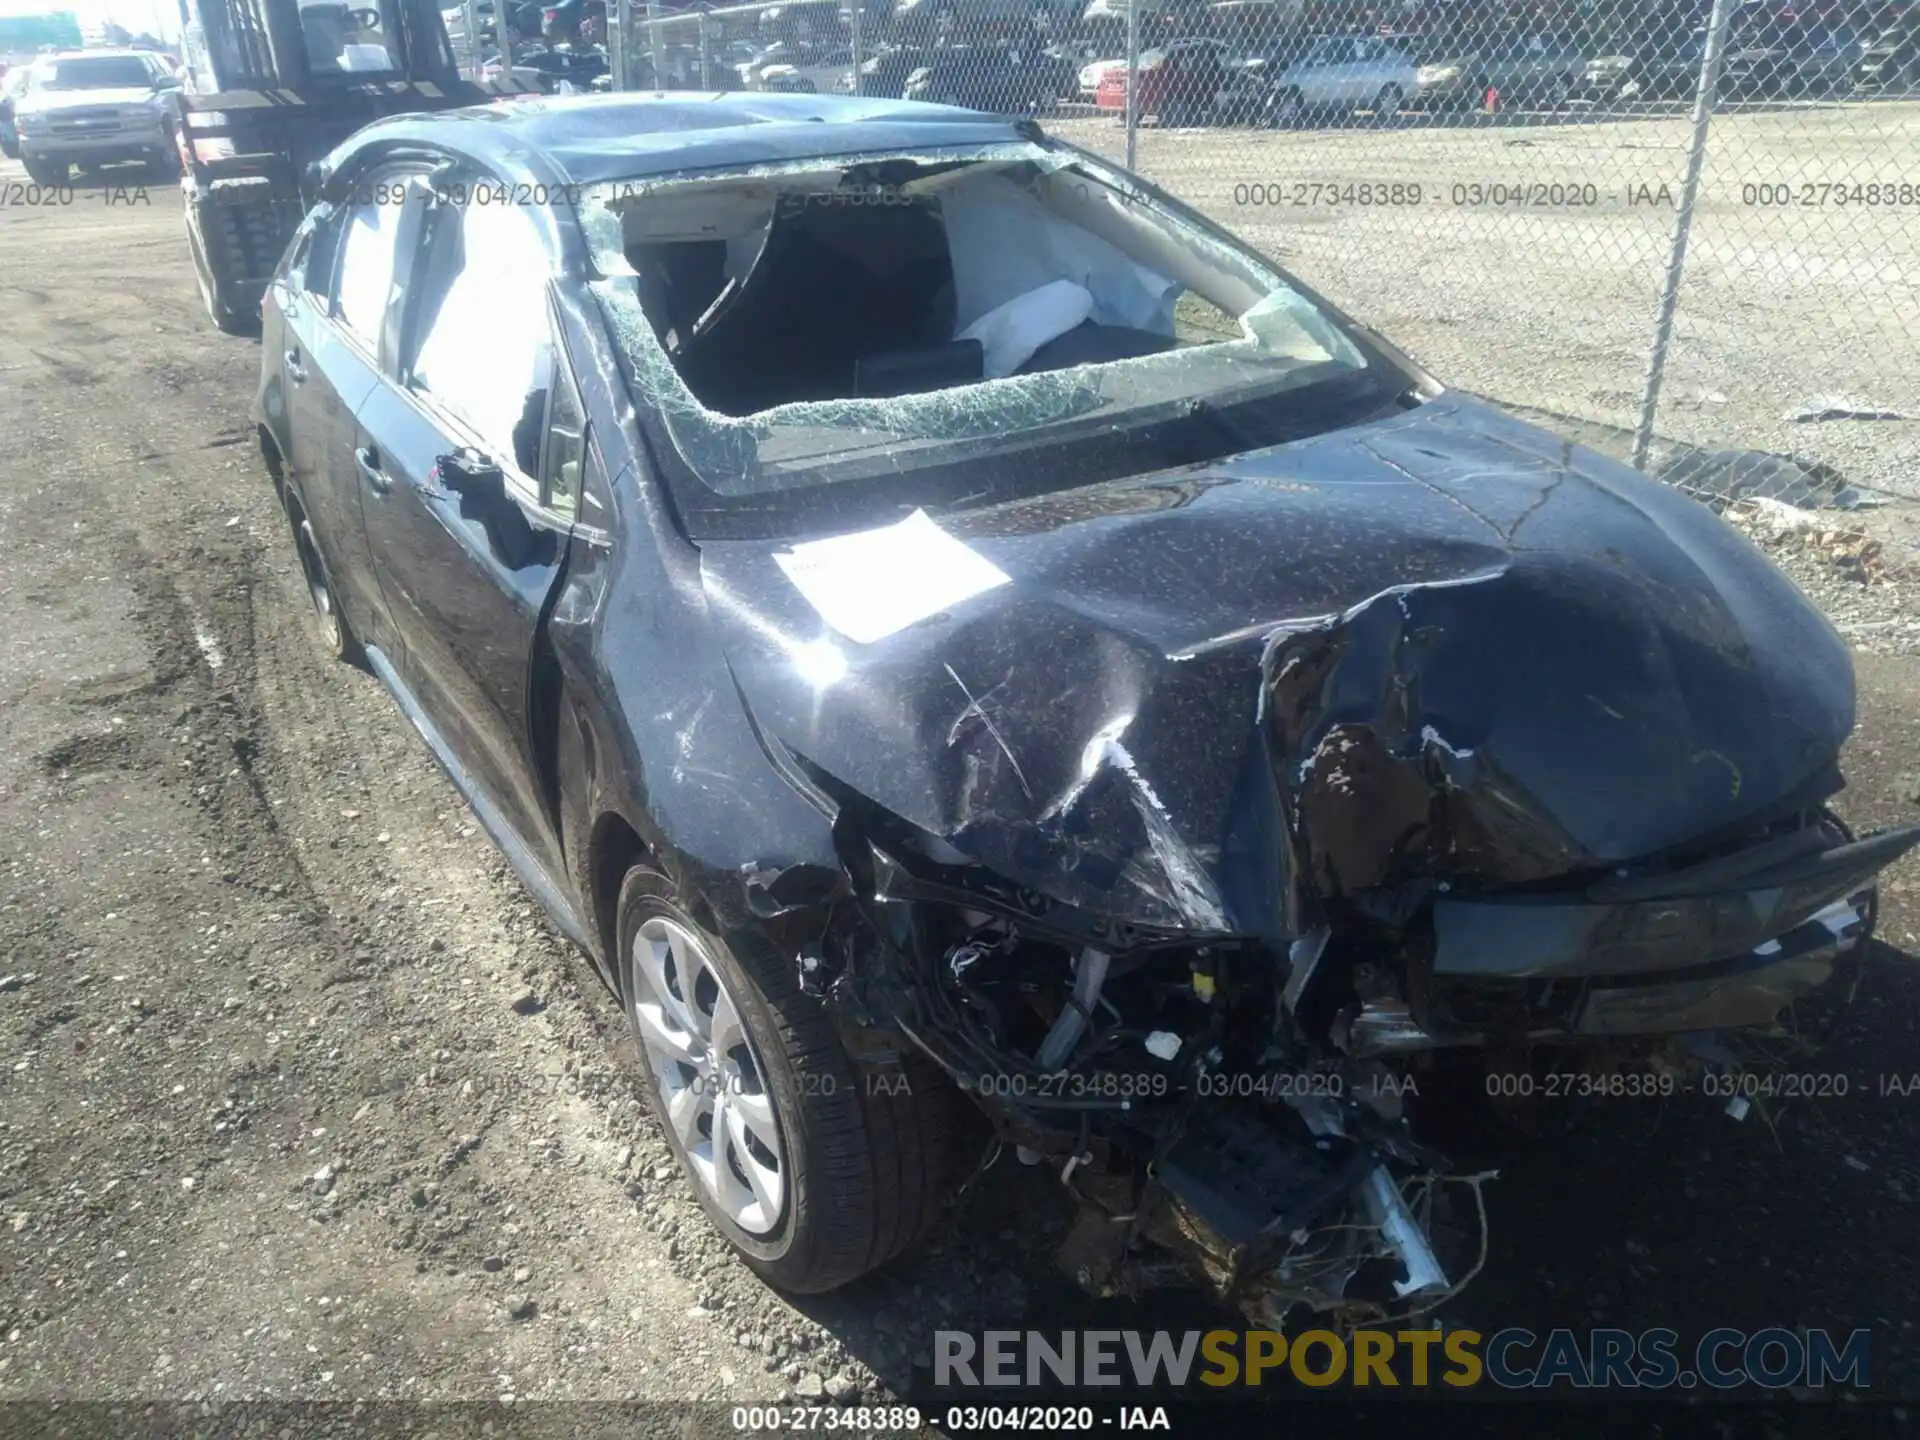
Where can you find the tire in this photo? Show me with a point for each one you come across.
(1288, 110)
(859, 1157)
(43, 171)
(10, 146)
(1386, 105)
(243, 234)
(336, 637)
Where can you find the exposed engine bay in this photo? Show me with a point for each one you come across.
(1225, 1112)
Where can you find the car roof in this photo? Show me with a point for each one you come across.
(590, 139)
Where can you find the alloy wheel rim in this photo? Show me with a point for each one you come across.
(318, 590)
(712, 1085)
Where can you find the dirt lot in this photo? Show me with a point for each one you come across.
(301, 1098)
(1523, 256)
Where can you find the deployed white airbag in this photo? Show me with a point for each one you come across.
(1006, 244)
(1010, 333)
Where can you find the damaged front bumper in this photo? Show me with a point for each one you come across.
(1226, 1111)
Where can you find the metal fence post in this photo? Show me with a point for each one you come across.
(619, 18)
(706, 53)
(1133, 76)
(858, 7)
(1703, 103)
(470, 14)
(653, 47)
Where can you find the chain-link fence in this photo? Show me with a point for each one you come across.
(1678, 225)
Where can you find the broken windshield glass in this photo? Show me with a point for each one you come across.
(792, 325)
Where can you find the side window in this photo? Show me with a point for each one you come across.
(322, 237)
(369, 241)
(345, 37)
(484, 350)
(566, 447)
(293, 269)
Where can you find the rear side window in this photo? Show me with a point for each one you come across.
(566, 448)
(368, 244)
(484, 351)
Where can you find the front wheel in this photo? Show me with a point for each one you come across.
(337, 639)
(1386, 105)
(814, 1167)
(43, 171)
(1288, 110)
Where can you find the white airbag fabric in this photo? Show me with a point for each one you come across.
(1010, 333)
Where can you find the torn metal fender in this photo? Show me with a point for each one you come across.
(1440, 645)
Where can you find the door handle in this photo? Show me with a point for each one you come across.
(368, 459)
(296, 372)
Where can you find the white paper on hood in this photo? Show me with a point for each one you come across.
(875, 583)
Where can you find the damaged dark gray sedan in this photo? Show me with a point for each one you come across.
(949, 630)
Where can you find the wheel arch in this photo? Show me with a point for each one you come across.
(273, 455)
(613, 848)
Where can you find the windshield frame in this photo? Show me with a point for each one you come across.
(1059, 455)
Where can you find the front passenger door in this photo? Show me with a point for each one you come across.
(467, 564)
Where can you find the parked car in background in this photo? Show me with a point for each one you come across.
(1338, 75)
(1533, 68)
(1246, 97)
(884, 75)
(11, 84)
(1654, 67)
(1774, 61)
(566, 21)
(1891, 58)
(1179, 81)
(1087, 82)
(554, 69)
(1000, 79)
(808, 72)
(94, 107)
(787, 55)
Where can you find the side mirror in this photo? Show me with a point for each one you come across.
(471, 475)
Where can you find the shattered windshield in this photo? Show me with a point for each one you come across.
(795, 325)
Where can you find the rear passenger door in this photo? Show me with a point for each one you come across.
(334, 348)
(468, 557)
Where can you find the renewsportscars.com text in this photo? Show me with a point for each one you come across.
(1511, 1359)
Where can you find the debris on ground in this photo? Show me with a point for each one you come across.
(1782, 527)
(1726, 476)
(1838, 407)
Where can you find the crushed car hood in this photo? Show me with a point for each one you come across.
(1442, 646)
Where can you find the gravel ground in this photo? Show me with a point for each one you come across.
(303, 1099)
(1552, 303)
